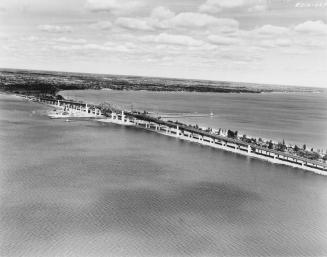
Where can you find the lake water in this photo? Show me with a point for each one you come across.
(87, 189)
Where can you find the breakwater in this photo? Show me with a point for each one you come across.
(184, 132)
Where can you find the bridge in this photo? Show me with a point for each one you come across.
(189, 133)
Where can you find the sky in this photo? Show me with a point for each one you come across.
(261, 41)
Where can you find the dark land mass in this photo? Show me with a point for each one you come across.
(50, 82)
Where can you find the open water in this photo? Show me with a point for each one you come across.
(83, 188)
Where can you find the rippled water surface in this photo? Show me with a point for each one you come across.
(86, 189)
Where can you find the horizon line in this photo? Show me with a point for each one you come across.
(164, 77)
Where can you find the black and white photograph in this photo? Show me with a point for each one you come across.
(163, 128)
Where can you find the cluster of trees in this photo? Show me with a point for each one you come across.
(303, 152)
(297, 149)
(252, 140)
(105, 108)
(281, 146)
(232, 134)
(29, 88)
(309, 154)
(270, 145)
(248, 140)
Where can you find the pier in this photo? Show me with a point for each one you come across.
(189, 133)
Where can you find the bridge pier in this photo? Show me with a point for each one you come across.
(177, 131)
(122, 116)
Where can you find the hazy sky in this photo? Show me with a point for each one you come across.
(271, 41)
